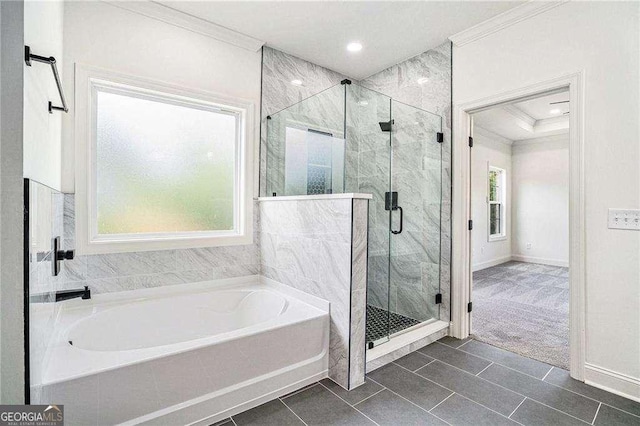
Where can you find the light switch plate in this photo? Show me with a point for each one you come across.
(624, 219)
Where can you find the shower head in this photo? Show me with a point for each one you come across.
(385, 126)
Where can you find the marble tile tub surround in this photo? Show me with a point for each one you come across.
(319, 246)
(400, 82)
(106, 273)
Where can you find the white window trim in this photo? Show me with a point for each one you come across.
(503, 196)
(86, 79)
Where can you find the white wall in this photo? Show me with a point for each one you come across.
(540, 201)
(103, 35)
(42, 131)
(496, 151)
(601, 39)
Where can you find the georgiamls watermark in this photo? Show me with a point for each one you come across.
(31, 415)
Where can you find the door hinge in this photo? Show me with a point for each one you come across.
(470, 225)
(438, 298)
(470, 142)
(440, 137)
(469, 307)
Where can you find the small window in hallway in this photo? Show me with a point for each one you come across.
(496, 202)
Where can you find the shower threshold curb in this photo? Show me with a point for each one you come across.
(405, 342)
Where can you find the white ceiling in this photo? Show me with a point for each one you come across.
(528, 119)
(390, 31)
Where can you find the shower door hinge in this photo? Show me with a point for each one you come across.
(440, 137)
(345, 81)
(470, 142)
(469, 307)
(470, 225)
(438, 298)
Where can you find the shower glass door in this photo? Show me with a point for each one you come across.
(416, 173)
(368, 159)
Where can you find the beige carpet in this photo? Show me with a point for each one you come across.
(524, 308)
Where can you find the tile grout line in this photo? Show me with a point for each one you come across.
(422, 366)
(298, 391)
(442, 386)
(513, 353)
(545, 376)
(294, 413)
(479, 372)
(434, 407)
(413, 403)
(349, 404)
(528, 375)
(370, 396)
(462, 344)
(500, 386)
(619, 409)
(516, 409)
(596, 415)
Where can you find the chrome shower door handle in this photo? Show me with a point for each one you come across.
(401, 220)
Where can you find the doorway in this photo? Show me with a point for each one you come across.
(519, 202)
(462, 304)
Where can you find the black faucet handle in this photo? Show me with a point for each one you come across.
(66, 254)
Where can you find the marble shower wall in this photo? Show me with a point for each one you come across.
(278, 70)
(45, 207)
(105, 273)
(401, 83)
(322, 112)
(319, 247)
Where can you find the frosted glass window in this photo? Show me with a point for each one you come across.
(163, 166)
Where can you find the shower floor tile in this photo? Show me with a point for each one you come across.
(380, 323)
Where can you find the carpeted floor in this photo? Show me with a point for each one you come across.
(524, 308)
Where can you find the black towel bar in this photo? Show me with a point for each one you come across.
(28, 57)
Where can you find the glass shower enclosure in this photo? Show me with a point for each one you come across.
(352, 139)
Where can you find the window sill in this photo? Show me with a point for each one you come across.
(168, 243)
(497, 238)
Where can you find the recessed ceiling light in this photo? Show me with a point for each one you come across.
(354, 47)
(555, 111)
(423, 80)
(296, 82)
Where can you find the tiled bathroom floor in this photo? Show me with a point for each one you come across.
(456, 382)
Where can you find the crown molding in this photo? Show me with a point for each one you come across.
(544, 139)
(503, 20)
(519, 114)
(171, 16)
(490, 135)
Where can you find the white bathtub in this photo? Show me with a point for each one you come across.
(192, 353)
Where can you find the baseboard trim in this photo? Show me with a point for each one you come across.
(540, 260)
(612, 381)
(490, 263)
